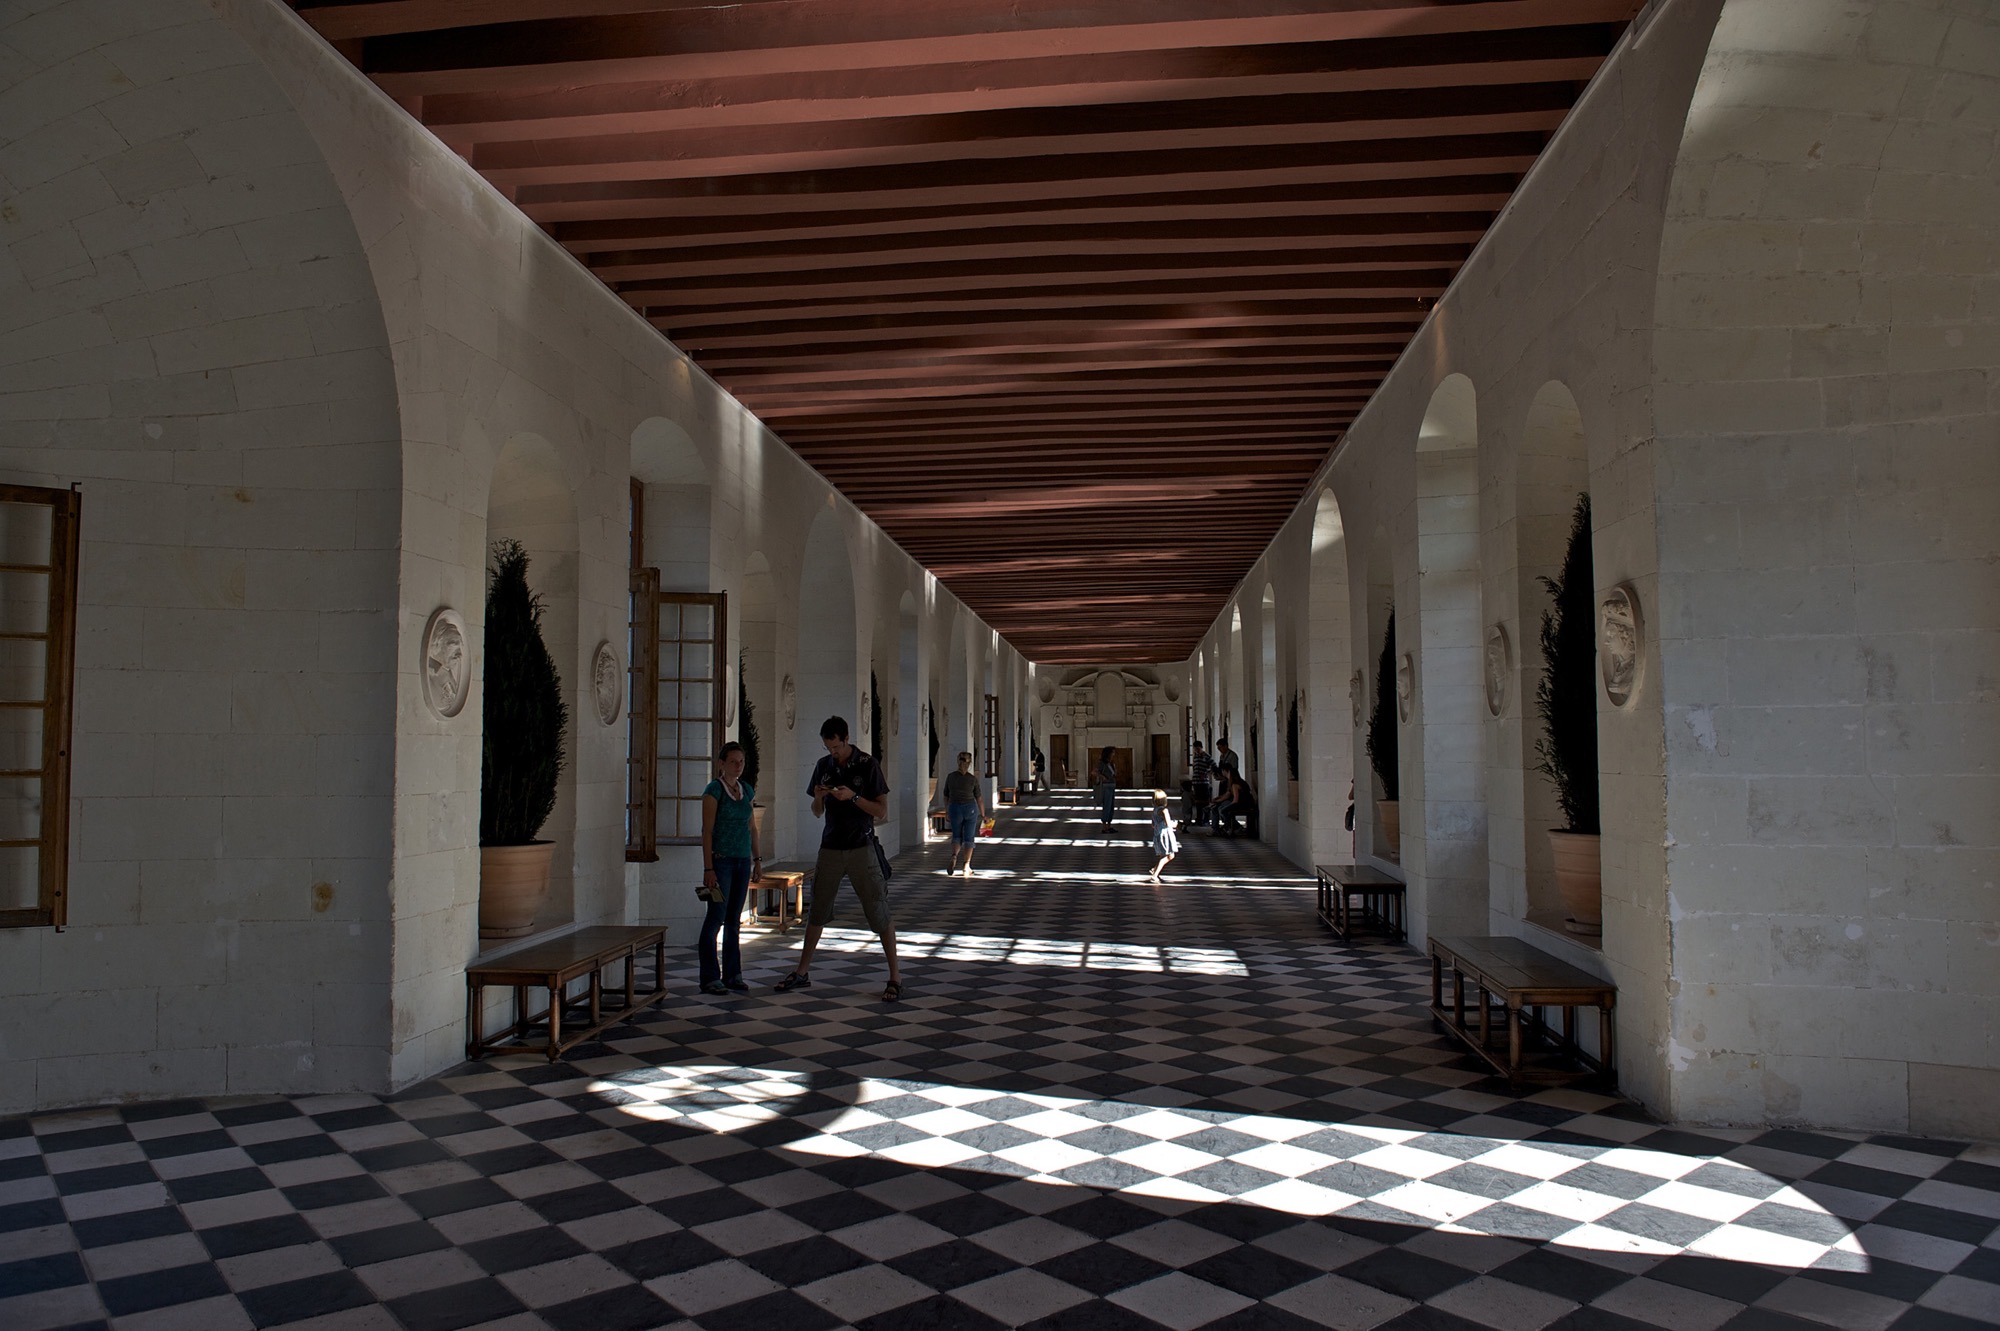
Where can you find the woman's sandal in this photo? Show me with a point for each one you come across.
(892, 992)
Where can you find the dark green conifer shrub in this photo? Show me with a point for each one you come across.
(1382, 755)
(1566, 698)
(521, 752)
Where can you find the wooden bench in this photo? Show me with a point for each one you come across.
(553, 966)
(780, 895)
(1380, 897)
(1511, 978)
(1007, 795)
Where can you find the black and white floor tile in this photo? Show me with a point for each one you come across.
(1101, 1104)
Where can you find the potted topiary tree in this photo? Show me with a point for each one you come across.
(1566, 700)
(747, 736)
(1292, 757)
(1382, 754)
(521, 752)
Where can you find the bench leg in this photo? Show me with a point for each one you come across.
(631, 964)
(660, 963)
(597, 994)
(1605, 1052)
(1437, 983)
(475, 1037)
(555, 1019)
(1513, 1042)
(1485, 1013)
(1458, 995)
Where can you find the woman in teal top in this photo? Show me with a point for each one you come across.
(728, 861)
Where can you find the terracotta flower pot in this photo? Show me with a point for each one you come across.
(513, 883)
(1579, 880)
(1391, 812)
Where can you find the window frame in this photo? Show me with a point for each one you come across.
(56, 704)
(645, 795)
(991, 727)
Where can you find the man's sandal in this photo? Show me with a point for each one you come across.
(892, 991)
(794, 981)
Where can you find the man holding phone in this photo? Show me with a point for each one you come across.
(849, 791)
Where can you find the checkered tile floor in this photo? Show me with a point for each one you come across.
(1101, 1104)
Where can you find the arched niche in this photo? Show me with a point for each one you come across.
(1382, 613)
(826, 683)
(1444, 838)
(756, 605)
(1267, 721)
(530, 499)
(1328, 735)
(1554, 473)
(676, 509)
(912, 780)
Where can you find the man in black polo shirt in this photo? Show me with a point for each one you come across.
(850, 792)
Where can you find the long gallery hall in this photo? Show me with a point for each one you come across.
(511, 509)
(1102, 1103)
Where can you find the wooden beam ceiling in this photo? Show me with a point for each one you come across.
(1072, 299)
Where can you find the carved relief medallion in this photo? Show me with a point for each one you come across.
(447, 663)
(1499, 669)
(1621, 642)
(607, 683)
(1355, 688)
(1406, 685)
(1046, 687)
(788, 702)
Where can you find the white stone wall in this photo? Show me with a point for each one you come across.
(1769, 319)
(1827, 391)
(285, 340)
(1560, 290)
(188, 332)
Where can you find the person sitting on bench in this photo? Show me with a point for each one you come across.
(1239, 803)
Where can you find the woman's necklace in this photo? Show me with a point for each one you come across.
(734, 788)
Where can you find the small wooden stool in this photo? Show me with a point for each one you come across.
(1007, 795)
(786, 889)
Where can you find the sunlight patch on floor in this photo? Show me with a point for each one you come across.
(724, 1098)
(1057, 952)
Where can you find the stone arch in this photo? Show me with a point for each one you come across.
(529, 499)
(1444, 799)
(826, 681)
(1328, 766)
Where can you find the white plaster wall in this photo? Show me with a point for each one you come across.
(188, 331)
(1561, 288)
(282, 336)
(1827, 393)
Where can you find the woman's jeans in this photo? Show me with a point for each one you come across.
(964, 820)
(1106, 797)
(732, 874)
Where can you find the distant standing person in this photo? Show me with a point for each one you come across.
(1201, 768)
(1166, 840)
(1107, 784)
(965, 811)
(1225, 758)
(849, 791)
(729, 861)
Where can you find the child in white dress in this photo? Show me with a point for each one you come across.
(1166, 840)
